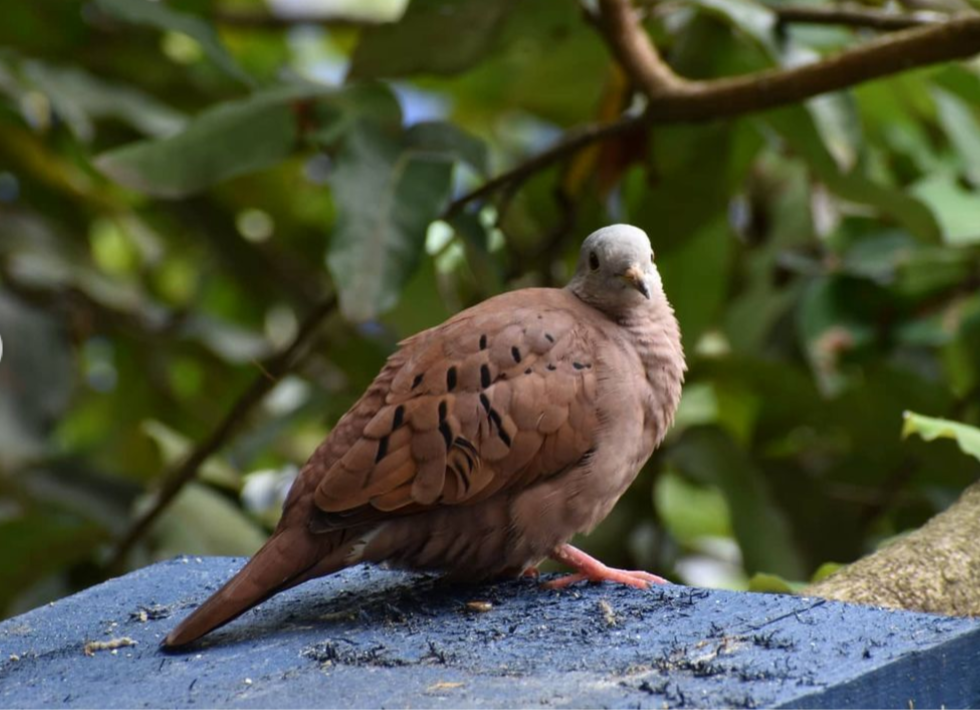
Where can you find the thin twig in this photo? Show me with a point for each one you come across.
(572, 142)
(853, 17)
(174, 481)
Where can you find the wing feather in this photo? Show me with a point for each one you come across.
(499, 396)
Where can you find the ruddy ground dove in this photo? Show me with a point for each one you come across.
(487, 442)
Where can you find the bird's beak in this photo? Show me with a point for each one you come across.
(635, 277)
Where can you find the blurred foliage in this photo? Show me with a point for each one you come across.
(177, 191)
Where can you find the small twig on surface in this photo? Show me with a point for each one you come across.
(269, 374)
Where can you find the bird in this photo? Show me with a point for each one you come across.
(487, 442)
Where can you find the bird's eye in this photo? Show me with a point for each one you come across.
(593, 261)
(651, 257)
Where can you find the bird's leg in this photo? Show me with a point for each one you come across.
(589, 568)
(531, 572)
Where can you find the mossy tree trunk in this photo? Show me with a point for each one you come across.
(934, 569)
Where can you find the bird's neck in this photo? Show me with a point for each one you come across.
(655, 334)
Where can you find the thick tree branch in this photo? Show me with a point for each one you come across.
(690, 101)
(269, 374)
(635, 52)
(934, 569)
(675, 100)
(891, 54)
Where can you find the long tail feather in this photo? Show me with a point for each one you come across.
(287, 559)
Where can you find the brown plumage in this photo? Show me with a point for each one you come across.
(485, 443)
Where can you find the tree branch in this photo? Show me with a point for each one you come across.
(891, 54)
(269, 374)
(675, 100)
(853, 17)
(573, 141)
(619, 22)
(932, 569)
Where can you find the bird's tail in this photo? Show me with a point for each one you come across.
(290, 557)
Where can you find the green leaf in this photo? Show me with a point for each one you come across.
(434, 37)
(930, 428)
(371, 101)
(449, 139)
(773, 584)
(754, 19)
(690, 511)
(387, 194)
(797, 127)
(158, 15)
(81, 98)
(824, 571)
(963, 129)
(227, 140)
(956, 208)
(696, 275)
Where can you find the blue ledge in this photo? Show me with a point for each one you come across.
(372, 638)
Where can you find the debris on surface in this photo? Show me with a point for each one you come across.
(608, 615)
(367, 637)
(153, 612)
(443, 685)
(111, 645)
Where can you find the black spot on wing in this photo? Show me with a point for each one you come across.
(495, 418)
(382, 449)
(447, 434)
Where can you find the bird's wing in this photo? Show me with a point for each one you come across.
(499, 397)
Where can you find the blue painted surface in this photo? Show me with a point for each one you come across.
(372, 638)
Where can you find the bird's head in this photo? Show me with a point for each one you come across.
(616, 271)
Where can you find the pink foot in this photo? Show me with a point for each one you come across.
(589, 568)
(531, 573)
